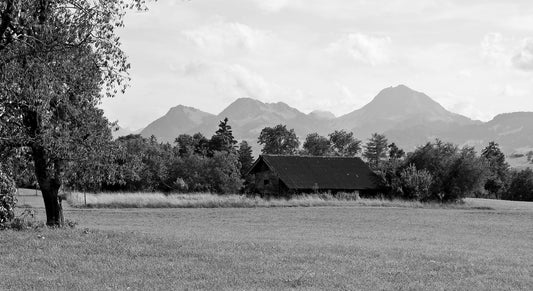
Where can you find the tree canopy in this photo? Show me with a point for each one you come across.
(344, 144)
(498, 170)
(316, 145)
(457, 173)
(57, 60)
(278, 140)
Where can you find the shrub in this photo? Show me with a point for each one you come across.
(416, 184)
(7, 198)
(25, 221)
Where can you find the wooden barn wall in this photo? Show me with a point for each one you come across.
(273, 187)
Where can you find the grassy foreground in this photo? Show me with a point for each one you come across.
(323, 248)
(207, 200)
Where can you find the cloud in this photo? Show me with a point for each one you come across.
(272, 5)
(523, 59)
(495, 48)
(512, 91)
(223, 37)
(233, 80)
(510, 52)
(363, 48)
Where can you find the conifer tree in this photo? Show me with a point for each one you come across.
(376, 150)
(223, 139)
(245, 157)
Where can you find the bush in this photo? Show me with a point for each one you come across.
(7, 198)
(25, 221)
(416, 184)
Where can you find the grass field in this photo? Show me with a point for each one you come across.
(208, 200)
(342, 248)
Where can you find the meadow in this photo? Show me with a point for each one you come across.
(209, 200)
(487, 246)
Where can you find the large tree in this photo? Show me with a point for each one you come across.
(498, 170)
(58, 58)
(278, 140)
(316, 145)
(520, 186)
(344, 144)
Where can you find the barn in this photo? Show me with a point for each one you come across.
(279, 175)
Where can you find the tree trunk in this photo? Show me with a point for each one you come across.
(48, 175)
(54, 209)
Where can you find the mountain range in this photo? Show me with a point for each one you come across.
(407, 117)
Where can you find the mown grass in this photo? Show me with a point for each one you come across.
(324, 248)
(206, 200)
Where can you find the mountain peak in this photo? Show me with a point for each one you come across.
(402, 87)
(182, 109)
(246, 100)
(179, 119)
(403, 99)
(242, 107)
(398, 106)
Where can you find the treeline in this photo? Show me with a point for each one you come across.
(193, 163)
(436, 171)
(444, 172)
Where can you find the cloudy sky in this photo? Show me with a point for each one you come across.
(474, 57)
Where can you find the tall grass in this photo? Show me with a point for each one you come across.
(207, 200)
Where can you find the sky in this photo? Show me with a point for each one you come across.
(474, 57)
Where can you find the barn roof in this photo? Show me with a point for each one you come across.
(307, 172)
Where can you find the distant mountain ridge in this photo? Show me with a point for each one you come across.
(178, 120)
(407, 117)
